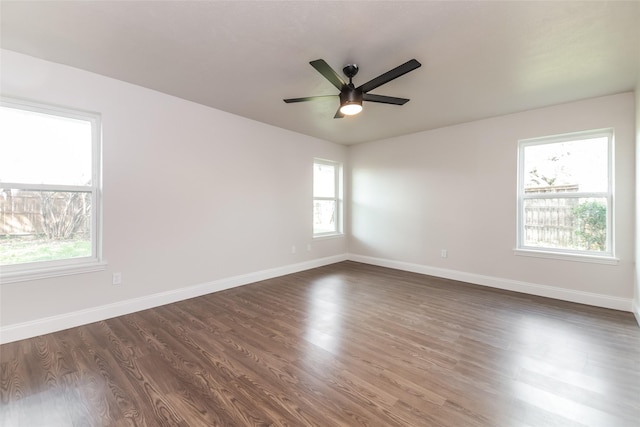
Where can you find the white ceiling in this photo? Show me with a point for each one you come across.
(479, 59)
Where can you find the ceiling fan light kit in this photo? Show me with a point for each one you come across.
(351, 97)
(350, 101)
(351, 109)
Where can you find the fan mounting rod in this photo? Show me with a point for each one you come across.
(350, 71)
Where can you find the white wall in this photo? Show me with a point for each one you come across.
(191, 194)
(454, 188)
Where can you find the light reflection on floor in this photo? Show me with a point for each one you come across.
(558, 356)
(44, 408)
(324, 323)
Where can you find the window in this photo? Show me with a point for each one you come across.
(49, 191)
(565, 194)
(327, 209)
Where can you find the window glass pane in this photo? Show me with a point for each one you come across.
(44, 149)
(580, 165)
(324, 216)
(324, 180)
(566, 223)
(44, 225)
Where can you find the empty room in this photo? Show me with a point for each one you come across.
(319, 213)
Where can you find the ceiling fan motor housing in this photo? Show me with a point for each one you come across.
(350, 95)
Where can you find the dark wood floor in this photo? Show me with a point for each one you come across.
(343, 345)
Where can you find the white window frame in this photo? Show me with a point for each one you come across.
(63, 267)
(607, 257)
(338, 195)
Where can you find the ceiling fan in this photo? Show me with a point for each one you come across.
(351, 97)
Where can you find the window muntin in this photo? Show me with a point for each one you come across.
(326, 198)
(565, 194)
(49, 188)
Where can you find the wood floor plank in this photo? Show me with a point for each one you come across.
(342, 345)
(220, 379)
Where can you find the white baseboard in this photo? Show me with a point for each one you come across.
(589, 298)
(636, 311)
(47, 325)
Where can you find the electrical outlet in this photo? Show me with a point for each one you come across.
(117, 279)
(309, 247)
(293, 249)
(443, 253)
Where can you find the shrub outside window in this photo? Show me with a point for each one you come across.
(565, 194)
(49, 190)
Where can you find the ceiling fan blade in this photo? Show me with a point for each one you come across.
(384, 99)
(390, 75)
(338, 115)
(308, 98)
(328, 73)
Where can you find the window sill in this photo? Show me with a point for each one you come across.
(327, 236)
(11, 275)
(595, 259)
